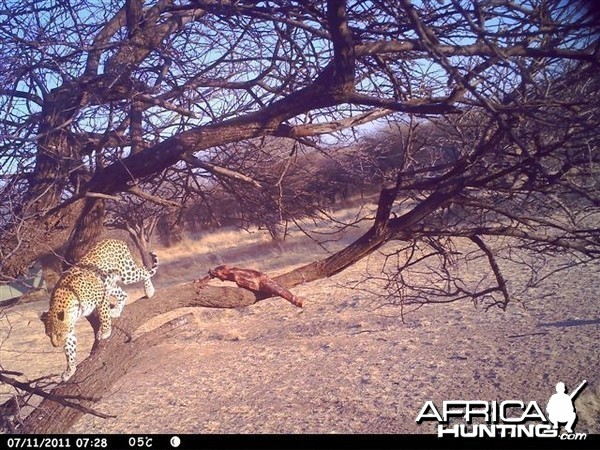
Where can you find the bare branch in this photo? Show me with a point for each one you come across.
(152, 198)
(100, 195)
(495, 268)
(314, 129)
(212, 168)
(55, 398)
(383, 47)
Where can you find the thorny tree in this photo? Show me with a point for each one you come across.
(99, 98)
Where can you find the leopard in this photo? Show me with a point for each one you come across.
(87, 287)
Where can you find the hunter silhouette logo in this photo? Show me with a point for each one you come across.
(507, 418)
(560, 406)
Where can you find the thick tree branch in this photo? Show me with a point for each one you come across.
(343, 48)
(405, 47)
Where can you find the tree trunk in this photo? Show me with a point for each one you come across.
(87, 228)
(35, 236)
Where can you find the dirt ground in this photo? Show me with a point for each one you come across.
(345, 363)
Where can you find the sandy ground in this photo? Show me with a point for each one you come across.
(343, 364)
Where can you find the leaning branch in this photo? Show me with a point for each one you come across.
(500, 280)
(315, 129)
(101, 195)
(218, 170)
(52, 397)
(152, 198)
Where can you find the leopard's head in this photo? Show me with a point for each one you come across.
(56, 323)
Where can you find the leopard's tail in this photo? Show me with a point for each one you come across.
(148, 286)
(153, 269)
